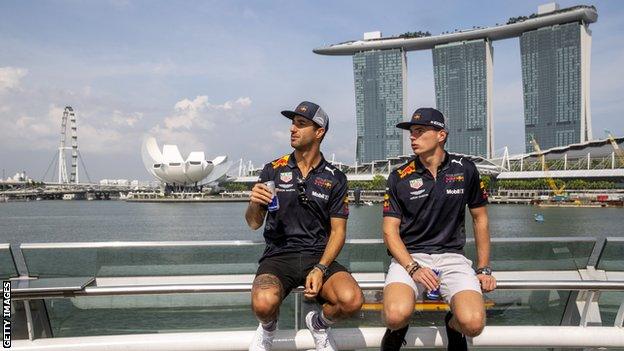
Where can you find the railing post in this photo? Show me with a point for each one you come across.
(29, 321)
(619, 318)
(297, 304)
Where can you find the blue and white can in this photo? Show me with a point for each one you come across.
(274, 204)
(434, 294)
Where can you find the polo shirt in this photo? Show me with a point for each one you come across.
(296, 227)
(432, 210)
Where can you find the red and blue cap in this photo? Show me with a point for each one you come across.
(311, 111)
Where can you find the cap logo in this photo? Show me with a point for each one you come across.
(416, 116)
(303, 108)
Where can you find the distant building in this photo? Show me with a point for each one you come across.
(379, 103)
(463, 80)
(555, 81)
(555, 48)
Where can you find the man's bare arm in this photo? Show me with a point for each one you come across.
(256, 211)
(337, 237)
(395, 245)
(480, 223)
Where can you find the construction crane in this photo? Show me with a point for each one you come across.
(557, 191)
(619, 153)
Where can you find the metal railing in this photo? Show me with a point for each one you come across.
(586, 284)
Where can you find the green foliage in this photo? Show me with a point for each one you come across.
(231, 186)
(417, 34)
(487, 181)
(378, 183)
(570, 184)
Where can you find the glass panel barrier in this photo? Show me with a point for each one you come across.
(537, 254)
(504, 307)
(612, 256)
(7, 264)
(610, 302)
(364, 256)
(117, 315)
(149, 259)
(206, 258)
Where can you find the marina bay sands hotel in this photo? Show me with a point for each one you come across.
(555, 49)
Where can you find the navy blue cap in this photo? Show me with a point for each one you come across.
(311, 111)
(425, 116)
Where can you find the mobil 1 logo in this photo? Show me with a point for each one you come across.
(6, 314)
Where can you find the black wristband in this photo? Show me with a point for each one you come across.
(321, 267)
(484, 270)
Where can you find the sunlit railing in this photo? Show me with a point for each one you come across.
(111, 295)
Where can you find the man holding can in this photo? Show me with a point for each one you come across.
(304, 199)
(424, 231)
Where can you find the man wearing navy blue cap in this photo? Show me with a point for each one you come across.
(424, 231)
(304, 234)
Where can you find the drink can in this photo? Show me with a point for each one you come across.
(274, 204)
(434, 294)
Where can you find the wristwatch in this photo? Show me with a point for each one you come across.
(484, 270)
(321, 267)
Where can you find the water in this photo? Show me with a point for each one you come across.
(87, 221)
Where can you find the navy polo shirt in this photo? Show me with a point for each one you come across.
(296, 227)
(432, 210)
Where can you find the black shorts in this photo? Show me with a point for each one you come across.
(292, 269)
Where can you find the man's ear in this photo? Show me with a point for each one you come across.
(320, 132)
(445, 135)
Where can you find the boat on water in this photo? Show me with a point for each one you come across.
(556, 292)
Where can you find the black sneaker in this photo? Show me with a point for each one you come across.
(393, 340)
(456, 340)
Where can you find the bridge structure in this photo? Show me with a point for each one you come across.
(596, 159)
(60, 191)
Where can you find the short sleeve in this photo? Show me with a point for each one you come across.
(477, 195)
(339, 201)
(391, 205)
(265, 174)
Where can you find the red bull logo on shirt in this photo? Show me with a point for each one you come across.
(324, 183)
(280, 162)
(453, 178)
(409, 169)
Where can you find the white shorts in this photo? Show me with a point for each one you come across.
(456, 274)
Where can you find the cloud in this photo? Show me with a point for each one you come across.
(129, 120)
(42, 131)
(10, 77)
(200, 113)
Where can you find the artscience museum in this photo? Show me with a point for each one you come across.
(171, 168)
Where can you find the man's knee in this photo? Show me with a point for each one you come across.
(471, 324)
(265, 304)
(350, 301)
(266, 296)
(397, 314)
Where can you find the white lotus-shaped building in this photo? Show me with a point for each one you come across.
(169, 167)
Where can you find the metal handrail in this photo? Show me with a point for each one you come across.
(568, 285)
(105, 244)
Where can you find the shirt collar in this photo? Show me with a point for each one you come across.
(420, 168)
(292, 163)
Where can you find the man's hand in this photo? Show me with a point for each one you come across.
(426, 277)
(260, 194)
(488, 282)
(313, 284)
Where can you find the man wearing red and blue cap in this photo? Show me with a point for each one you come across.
(304, 234)
(424, 231)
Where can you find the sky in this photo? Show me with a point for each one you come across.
(213, 76)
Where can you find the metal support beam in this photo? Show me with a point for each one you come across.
(346, 339)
